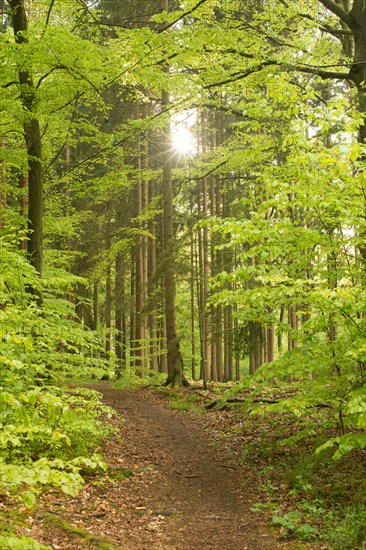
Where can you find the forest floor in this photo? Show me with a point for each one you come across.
(187, 491)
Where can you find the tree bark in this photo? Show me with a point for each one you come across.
(120, 321)
(32, 136)
(108, 312)
(174, 356)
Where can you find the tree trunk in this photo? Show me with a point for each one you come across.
(174, 356)
(95, 305)
(192, 293)
(32, 135)
(153, 324)
(108, 312)
(255, 333)
(120, 321)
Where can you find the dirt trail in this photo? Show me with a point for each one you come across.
(185, 494)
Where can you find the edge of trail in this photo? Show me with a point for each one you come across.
(188, 491)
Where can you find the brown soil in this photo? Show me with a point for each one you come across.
(187, 493)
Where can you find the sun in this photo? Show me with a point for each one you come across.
(183, 140)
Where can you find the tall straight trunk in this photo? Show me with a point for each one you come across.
(108, 311)
(217, 256)
(95, 305)
(255, 344)
(332, 285)
(228, 343)
(205, 260)
(144, 246)
(79, 309)
(32, 136)
(133, 350)
(162, 342)
(192, 293)
(279, 335)
(120, 321)
(153, 325)
(142, 200)
(236, 348)
(23, 186)
(163, 355)
(270, 343)
(216, 313)
(139, 287)
(228, 311)
(293, 325)
(88, 314)
(202, 319)
(174, 356)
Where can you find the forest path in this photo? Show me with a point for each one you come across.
(186, 493)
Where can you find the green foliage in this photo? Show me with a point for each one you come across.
(293, 525)
(310, 497)
(48, 433)
(345, 444)
(347, 530)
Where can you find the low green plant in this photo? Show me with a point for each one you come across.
(49, 432)
(347, 529)
(293, 525)
(130, 379)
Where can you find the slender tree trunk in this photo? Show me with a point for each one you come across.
(202, 319)
(192, 294)
(228, 344)
(133, 350)
(174, 356)
(237, 351)
(119, 314)
(108, 312)
(95, 305)
(153, 325)
(255, 345)
(32, 135)
(293, 325)
(23, 185)
(270, 343)
(279, 335)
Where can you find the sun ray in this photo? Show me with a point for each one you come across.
(183, 140)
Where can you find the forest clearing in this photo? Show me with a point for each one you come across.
(183, 227)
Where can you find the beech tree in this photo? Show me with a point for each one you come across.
(32, 135)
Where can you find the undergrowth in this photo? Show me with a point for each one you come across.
(49, 432)
(309, 495)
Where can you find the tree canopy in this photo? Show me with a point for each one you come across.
(182, 192)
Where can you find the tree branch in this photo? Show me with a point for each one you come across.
(240, 75)
(316, 71)
(337, 10)
(49, 13)
(43, 77)
(327, 28)
(188, 12)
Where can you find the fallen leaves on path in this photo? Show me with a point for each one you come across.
(187, 491)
